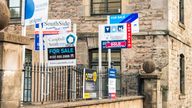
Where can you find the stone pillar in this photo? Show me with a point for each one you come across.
(11, 69)
(151, 90)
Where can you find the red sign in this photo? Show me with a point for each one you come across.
(129, 36)
(112, 95)
(115, 44)
(48, 32)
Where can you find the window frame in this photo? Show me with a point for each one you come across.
(105, 63)
(20, 9)
(181, 12)
(182, 74)
(106, 7)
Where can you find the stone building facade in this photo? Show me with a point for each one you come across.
(162, 38)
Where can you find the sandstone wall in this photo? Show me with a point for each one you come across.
(174, 97)
(179, 43)
(183, 32)
(152, 14)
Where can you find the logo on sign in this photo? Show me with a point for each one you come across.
(70, 39)
(120, 28)
(107, 29)
(114, 29)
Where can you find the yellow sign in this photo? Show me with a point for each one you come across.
(86, 95)
(89, 84)
(94, 76)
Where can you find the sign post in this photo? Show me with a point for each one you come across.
(100, 61)
(35, 11)
(116, 36)
(74, 76)
(110, 36)
(23, 34)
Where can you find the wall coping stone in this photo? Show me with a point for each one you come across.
(141, 33)
(15, 39)
(150, 75)
(84, 103)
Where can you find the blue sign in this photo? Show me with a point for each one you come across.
(112, 73)
(29, 8)
(37, 42)
(61, 53)
(36, 11)
(123, 18)
(132, 18)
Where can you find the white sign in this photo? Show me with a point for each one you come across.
(61, 40)
(111, 85)
(36, 11)
(62, 63)
(61, 49)
(110, 32)
(52, 27)
(57, 25)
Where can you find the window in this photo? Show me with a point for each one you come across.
(181, 11)
(182, 74)
(116, 60)
(15, 8)
(105, 7)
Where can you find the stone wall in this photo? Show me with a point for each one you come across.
(152, 14)
(174, 97)
(179, 43)
(183, 32)
(123, 102)
(11, 67)
(146, 47)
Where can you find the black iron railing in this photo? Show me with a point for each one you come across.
(43, 84)
(64, 84)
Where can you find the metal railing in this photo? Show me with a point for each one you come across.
(43, 84)
(63, 84)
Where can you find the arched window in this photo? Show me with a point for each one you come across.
(182, 74)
